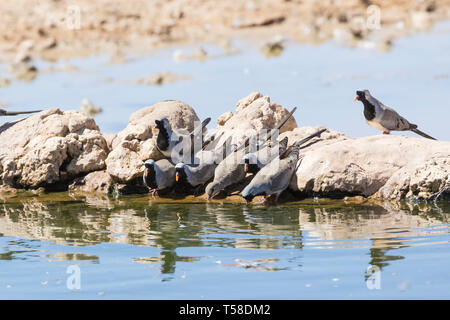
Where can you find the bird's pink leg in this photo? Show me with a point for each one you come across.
(386, 132)
(153, 192)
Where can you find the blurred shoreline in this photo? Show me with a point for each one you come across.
(54, 30)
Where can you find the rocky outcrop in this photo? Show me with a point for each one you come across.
(55, 149)
(136, 143)
(253, 113)
(97, 181)
(378, 166)
(50, 148)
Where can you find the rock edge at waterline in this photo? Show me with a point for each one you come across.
(60, 150)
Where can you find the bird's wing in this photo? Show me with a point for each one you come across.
(391, 120)
(165, 174)
(230, 171)
(204, 170)
(201, 174)
(274, 178)
(283, 177)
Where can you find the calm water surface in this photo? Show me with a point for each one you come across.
(135, 247)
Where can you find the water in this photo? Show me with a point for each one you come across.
(134, 247)
(413, 78)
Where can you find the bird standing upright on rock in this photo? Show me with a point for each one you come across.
(384, 118)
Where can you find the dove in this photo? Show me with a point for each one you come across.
(159, 175)
(384, 118)
(197, 174)
(275, 177)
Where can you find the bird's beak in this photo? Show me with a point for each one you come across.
(146, 172)
(208, 197)
(245, 167)
(357, 98)
(215, 193)
(154, 129)
(177, 177)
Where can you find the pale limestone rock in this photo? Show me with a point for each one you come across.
(382, 166)
(224, 118)
(244, 102)
(97, 181)
(50, 147)
(109, 138)
(254, 113)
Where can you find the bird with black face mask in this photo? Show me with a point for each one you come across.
(384, 118)
(167, 139)
(275, 177)
(159, 175)
(191, 178)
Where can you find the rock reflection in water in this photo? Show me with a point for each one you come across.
(380, 228)
(73, 221)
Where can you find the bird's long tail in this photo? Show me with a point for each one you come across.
(423, 134)
(198, 130)
(295, 148)
(205, 122)
(269, 136)
(288, 116)
(7, 113)
(317, 134)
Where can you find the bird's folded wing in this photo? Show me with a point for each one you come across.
(391, 120)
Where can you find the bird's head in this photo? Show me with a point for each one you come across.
(247, 195)
(212, 190)
(149, 165)
(250, 163)
(362, 95)
(161, 123)
(180, 173)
